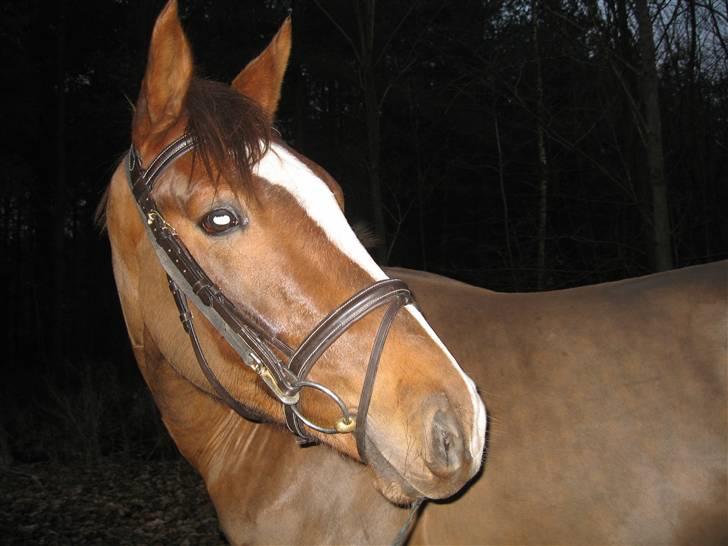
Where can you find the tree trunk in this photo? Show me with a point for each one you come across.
(363, 46)
(421, 179)
(504, 200)
(371, 105)
(541, 151)
(662, 247)
(365, 19)
(59, 320)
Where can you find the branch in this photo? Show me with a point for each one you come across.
(340, 29)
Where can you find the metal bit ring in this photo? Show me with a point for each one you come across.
(347, 423)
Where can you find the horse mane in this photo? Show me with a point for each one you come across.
(231, 134)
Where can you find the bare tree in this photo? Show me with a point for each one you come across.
(543, 183)
(59, 258)
(648, 84)
(367, 58)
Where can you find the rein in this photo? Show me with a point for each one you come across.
(286, 375)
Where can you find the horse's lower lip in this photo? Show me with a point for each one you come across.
(406, 492)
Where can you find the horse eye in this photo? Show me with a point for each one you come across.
(218, 221)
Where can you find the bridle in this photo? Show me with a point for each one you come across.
(284, 370)
(259, 349)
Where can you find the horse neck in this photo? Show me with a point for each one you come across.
(195, 421)
(250, 469)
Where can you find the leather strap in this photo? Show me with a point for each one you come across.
(406, 530)
(392, 291)
(342, 318)
(185, 316)
(371, 375)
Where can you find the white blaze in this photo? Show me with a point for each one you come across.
(281, 168)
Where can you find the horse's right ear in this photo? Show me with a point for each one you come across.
(262, 78)
(166, 80)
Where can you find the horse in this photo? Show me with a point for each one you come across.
(608, 426)
(237, 269)
(609, 401)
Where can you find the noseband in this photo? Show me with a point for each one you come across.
(284, 370)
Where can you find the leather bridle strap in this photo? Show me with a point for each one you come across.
(185, 316)
(406, 530)
(389, 291)
(366, 392)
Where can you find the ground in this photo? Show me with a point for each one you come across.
(115, 501)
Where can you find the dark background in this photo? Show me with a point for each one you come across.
(516, 146)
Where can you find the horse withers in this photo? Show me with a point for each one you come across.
(284, 316)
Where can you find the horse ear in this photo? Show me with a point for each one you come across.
(167, 77)
(262, 78)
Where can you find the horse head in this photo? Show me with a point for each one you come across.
(266, 229)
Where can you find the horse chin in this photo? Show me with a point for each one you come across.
(388, 481)
(396, 492)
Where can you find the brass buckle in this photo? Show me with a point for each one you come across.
(267, 377)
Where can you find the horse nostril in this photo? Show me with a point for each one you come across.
(445, 450)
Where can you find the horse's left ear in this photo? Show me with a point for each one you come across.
(261, 80)
(167, 77)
